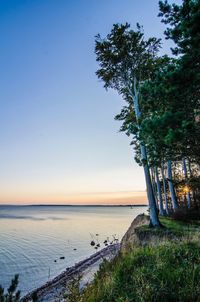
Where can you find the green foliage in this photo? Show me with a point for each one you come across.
(73, 290)
(170, 272)
(126, 59)
(184, 81)
(123, 55)
(12, 294)
(170, 99)
(183, 25)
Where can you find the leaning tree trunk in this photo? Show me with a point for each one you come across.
(186, 178)
(164, 190)
(154, 221)
(159, 192)
(171, 186)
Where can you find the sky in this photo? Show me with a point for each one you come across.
(59, 143)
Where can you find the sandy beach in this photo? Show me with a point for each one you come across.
(54, 289)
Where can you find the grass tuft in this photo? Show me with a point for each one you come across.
(165, 272)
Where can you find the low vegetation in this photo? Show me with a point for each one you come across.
(153, 270)
(169, 271)
(12, 295)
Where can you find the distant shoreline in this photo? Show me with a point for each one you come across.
(73, 205)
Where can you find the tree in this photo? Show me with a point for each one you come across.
(12, 294)
(126, 59)
(183, 29)
(170, 98)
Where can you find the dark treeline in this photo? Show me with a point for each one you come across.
(162, 103)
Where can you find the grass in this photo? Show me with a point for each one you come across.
(179, 226)
(173, 227)
(166, 272)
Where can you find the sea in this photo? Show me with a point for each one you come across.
(39, 242)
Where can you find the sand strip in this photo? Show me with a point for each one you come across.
(53, 290)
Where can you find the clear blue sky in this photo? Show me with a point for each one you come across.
(59, 141)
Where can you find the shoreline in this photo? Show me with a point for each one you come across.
(74, 205)
(54, 289)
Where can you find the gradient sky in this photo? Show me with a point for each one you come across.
(59, 141)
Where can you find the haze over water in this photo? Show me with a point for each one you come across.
(32, 237)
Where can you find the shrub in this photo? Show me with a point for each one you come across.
(12, 294)
(185, 214)
(73, 293)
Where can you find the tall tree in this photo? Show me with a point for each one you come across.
(126, 59)
(182, 22)
(183, 29)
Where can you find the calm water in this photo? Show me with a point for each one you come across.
(32, 237)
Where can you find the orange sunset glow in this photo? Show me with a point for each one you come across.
(101, 198)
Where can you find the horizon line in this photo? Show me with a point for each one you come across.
(74, 205)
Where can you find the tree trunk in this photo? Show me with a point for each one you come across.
(171, 186)
(165, 191)
(186, 178)
(189, 167)
(154, 185)
(154, 221)
(159, 192)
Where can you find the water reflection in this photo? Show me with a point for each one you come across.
(32, 238)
